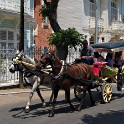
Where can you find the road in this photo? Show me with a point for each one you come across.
(12, 105)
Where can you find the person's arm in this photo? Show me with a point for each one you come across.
(84, 57)
(92, 54)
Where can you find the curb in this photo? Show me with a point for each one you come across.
(23, 91)
(8, 84)
(19, 92)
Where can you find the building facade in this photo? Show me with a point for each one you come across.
(10, 24)
(36, 31)
(10, 32)
(43, 28)
(96, 19)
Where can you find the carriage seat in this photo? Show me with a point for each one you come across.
(97, 67)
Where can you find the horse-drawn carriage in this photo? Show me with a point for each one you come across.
(82, 76)
(108, 75)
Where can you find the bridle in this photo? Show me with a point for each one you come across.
(48, 59)
(17, 65)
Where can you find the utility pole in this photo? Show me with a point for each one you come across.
(21, 43)
(96, 23)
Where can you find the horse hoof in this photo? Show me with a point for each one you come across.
(51, 114)
(27, 110)
(73, 108)
(50, 104)
(79, 108)
(44, 105)
(93, 104)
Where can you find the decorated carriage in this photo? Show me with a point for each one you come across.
(62, 76)
(107, 74)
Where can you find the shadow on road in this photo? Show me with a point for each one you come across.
(61, 107)
(37, 110)
(112, 117)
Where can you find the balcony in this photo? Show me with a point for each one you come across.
(92, 24)
(117, 26)
(14, 6)
(116, 29)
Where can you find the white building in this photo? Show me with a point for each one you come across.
(10, 33)
(80, 14)
(10, 24)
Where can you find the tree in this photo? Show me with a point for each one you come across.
(63, 39)
(50, 10)
(59, 39)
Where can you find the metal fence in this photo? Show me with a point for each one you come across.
(6, 59)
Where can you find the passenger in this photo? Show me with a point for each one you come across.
(109, 60)
(87, 54)
(99, 57)
(118, 61)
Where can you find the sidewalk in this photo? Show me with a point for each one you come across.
(17, 95)
(10, 90)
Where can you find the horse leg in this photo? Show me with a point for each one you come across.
(27, 108)
(66, 87)
(55, 93)
(51, 98)
(80, 105)
(39, 94)
(91, 98)
(52, 94)
(67, 92)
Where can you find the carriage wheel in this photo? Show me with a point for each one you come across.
(79, 92)
(106, 92)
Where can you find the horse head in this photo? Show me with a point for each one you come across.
(18, 66)
(50, 59)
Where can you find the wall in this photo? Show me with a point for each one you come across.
(41, 32)
(69, 14)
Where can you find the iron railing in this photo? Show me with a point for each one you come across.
(6, 59)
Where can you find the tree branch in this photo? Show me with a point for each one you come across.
(46, 3)
(53, 14)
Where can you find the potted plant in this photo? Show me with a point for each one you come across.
(64, 39)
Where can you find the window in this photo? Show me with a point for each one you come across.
(10, 45)
(113, 11)
(45, 20)
(3, 35)
(18, 37)
(17, 45)
(10, 35)
(92, 8)
(3, 45)
(103, 39)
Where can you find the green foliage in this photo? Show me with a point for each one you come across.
(44, 11)
(66, 38)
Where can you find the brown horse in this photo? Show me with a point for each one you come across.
(70, 75)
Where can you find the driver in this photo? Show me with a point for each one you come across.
(87, 54)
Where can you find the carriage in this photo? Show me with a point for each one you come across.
(66, 75)
(109, 75)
